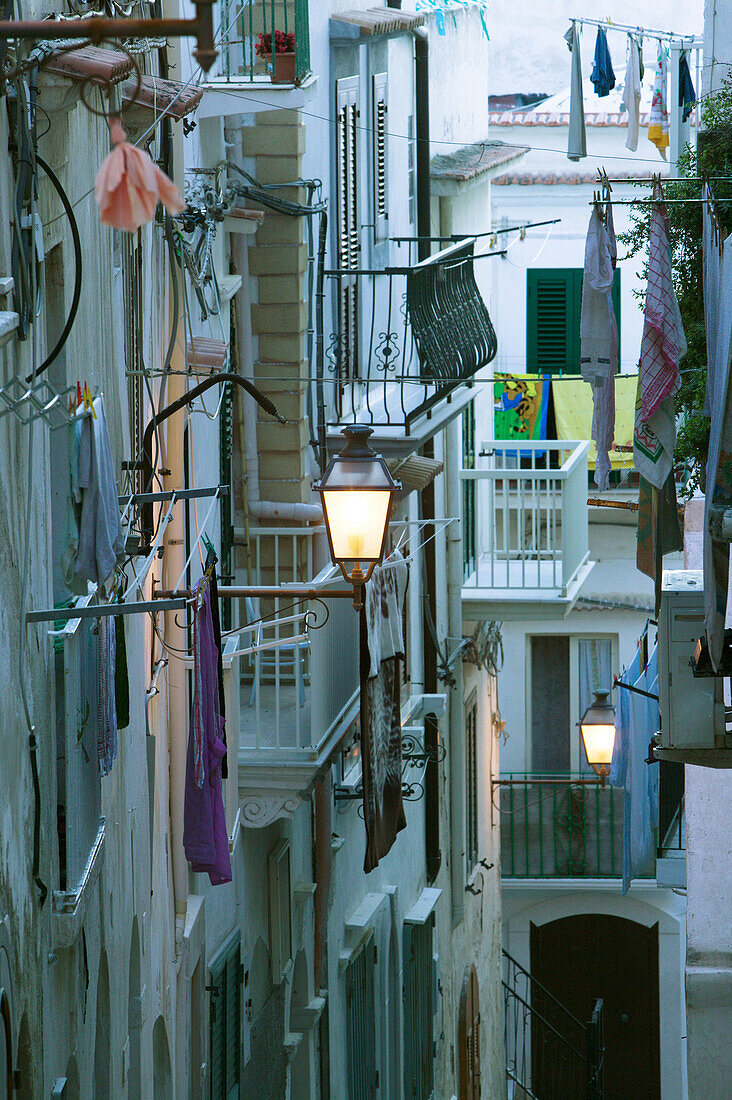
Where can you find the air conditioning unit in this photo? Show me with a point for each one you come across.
(695, 728)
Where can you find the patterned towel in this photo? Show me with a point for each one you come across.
(599, 338)
(658, 123)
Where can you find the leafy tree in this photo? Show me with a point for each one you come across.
(712, 157)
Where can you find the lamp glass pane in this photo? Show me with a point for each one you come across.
(345, 474)
(357, 520)
(599, 741)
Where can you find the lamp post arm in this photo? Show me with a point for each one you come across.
(176, 406)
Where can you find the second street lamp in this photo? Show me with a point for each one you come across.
(357, 491)
(598, 733)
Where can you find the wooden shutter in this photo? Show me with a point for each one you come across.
(553, 310)
(225, 1021)
(347, 223)
(379, 124)
(469, 1037)
(471, 785)
(419, 1009)
(361, 1024)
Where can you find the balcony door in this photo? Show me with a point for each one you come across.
(582, 958)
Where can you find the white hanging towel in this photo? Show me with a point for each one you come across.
(577, 138)
(718, 311)
(599, 339)
(662, 347)
(632, 93)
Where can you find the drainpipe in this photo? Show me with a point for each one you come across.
(455, 631)
(323, 871)
(433, 857)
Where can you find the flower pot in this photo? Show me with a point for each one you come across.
(284, 73)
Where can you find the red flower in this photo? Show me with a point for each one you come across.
(284, 42)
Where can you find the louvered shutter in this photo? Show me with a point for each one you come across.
(419, 1011)
(469, 1037)
(361, 1024)
(225, 1022)
(347, 226)
(380, 110)
(553, 311)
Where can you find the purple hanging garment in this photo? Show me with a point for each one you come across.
(205, 836)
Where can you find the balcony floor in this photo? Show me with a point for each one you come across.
(288, 729)
(517, 589)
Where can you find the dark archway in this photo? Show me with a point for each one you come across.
(101, 1039)
(162, 1076)
(134, 1016)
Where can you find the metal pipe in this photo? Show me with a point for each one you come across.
(228, 592)
(488, 232)
(422, 134)
(453, 462)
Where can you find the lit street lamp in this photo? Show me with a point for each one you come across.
(357, 490)
(598, 733)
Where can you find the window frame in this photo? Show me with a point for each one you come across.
(577, 761)
(472, 821)
(226, 970)
(347, 223)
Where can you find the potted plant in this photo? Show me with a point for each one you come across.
(281, 60)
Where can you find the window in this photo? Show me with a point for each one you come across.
(471, 785)
(381, 214)
(419, 1009)
(412, 170)
(565, 672)
(347, 223)
(134, 311)
(469, 1036)
(280, 910)
(553, 306)
(225, 1021)
(361, 1024)
(468, 436)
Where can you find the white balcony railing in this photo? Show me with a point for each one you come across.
(525, 526)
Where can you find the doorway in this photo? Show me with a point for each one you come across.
(582, 958)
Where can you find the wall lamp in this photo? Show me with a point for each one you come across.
(597, 726)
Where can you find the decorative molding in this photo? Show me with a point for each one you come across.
(258, 811)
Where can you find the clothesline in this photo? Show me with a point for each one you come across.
(643, 32)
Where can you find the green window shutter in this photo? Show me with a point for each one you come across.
(553, 309)
(419, 1009)
(225, 1021)
(361, 1024)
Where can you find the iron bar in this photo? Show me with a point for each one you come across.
(644, 32)
(449, 261)
(636, 691)
(179, 494)
(555, 781)
(474, 236)
(104, 610)
(296, 591)
(97, 28)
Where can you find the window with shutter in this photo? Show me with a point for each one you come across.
(412, 170)
(419, 1009)
(469, 1037)
(468, 438)
(553, 308)
(380, 109)
(471, 785)
(225, 1021)
(361, 1024)
(347, 224)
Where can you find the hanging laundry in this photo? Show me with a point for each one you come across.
(209, 569)
(602, 76)
(577, 139)
(687, 95)
(573, 409)
(382, 647)
(632, 93)
(599, 339)
(659, 531)
(106, 702)
(121, 681)
(129, 185)
(658, 125)
(662, 347)
(718, 313)
(520, 407)
(205, 836)
(101, 542)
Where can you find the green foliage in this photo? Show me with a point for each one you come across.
(713, 157)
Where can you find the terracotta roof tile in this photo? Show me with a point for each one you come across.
(470, 161)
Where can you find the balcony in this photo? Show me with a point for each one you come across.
(239, 69)
(299, 694)
(404, 343)
(525, 530)
(671, 861)
(551, 827)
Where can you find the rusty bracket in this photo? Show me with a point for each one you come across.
(96, 29)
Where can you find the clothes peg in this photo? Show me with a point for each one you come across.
(208, 545)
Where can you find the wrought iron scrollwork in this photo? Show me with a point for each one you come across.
(414, 751)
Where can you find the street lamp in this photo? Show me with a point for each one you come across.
(357, 490)
(598, 733)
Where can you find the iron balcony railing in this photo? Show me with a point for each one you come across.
(552, 826)
(242, 23)
(550, 1054)
(402, 338)
(528, 526)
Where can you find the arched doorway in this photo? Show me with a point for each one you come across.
(582, 958)
(6, 1048)
(101, 1040)
(72, 1080)
(162, 1077)
(134, 1016)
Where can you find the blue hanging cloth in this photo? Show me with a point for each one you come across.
(602, 76)
(687, 95)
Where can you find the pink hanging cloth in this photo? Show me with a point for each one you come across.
(128, 185)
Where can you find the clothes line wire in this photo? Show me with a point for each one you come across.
(642, 32)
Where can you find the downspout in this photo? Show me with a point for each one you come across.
(433, 857)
